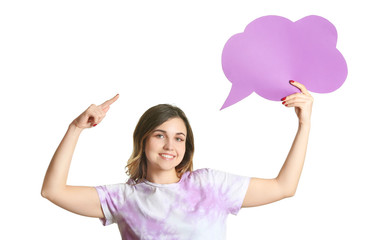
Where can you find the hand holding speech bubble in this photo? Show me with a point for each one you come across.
(273, 50)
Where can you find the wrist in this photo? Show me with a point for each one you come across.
(74, 128)
(304, 125)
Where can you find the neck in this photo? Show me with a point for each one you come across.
(162, 177)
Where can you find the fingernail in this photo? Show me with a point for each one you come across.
(283, 103)
(291, 81)
(94, 125)
(283, 99)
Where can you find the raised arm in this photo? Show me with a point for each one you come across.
(264, 191)
(77, 199)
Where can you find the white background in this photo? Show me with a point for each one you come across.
(58, 57)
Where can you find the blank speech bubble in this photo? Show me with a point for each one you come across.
(273, 50)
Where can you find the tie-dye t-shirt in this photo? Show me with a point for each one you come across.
(196, 207)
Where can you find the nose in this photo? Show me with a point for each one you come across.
(168, 144)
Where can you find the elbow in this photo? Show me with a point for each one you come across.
(48, 195)
(286, 191)
(289, 194)
(45, 190)
(44, 193)
(51, 193)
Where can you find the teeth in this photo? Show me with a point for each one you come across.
(166, 156)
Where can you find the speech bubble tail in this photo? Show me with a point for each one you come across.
(236, 94)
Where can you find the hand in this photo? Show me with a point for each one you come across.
(93, 114)
(302, 101)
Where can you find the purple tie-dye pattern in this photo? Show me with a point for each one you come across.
(142, 224)
(204, 200)
(194, 208)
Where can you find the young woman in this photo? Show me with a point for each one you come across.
(164, 198)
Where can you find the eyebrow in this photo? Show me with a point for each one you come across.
(178, 133)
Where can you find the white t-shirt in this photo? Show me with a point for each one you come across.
(196, 207)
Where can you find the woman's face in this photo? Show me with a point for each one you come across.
(166, 145)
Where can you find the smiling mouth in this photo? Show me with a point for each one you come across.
(166, 156)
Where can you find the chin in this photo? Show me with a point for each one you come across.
(168, 166)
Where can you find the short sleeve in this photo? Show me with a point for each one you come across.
(232, 189)
(109, 196)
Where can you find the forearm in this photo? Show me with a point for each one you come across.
(57, 172)
(290, 172)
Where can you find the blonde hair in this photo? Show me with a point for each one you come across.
(153, 117)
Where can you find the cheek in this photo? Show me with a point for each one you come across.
(147, 146)
(150, 145)
(182, 150)
(148, 150)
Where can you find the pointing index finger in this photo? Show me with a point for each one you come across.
(299, 86)
(109, 102)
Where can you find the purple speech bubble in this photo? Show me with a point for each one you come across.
(273, 50)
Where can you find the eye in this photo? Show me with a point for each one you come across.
(160, 136)
(179, 139)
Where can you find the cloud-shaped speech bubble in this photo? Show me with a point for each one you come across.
(273, 50)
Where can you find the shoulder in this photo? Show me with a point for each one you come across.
(113, 189)
(217, 177)
(198, 173)
(205, 174)
(112, 186)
